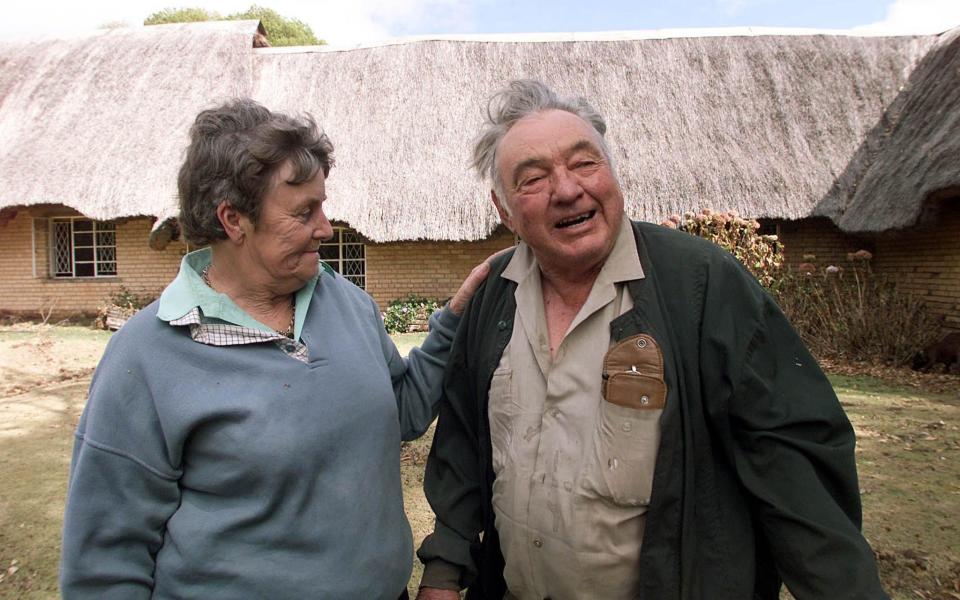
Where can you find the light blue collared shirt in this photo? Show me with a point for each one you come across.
(188, 291)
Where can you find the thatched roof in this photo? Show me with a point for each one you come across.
(912, 157)
(761, 125)
(766, 125)
(98, 122)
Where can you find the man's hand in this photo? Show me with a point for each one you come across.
(459, 301)
(429, 593)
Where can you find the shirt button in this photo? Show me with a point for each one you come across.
(537, 542)
(501, 325)
(555, 413)
(627, 426)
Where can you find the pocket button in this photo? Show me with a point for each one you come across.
(537, 542)
(644, 400)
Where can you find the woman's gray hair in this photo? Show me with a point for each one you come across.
(235, 150)
(522, 98)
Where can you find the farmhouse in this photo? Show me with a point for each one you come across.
(838, 142)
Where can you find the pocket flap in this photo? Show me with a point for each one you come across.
(633, 373)
(631, 390)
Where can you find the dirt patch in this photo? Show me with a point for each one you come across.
(909, 569)
(34, 356)
(41, 407)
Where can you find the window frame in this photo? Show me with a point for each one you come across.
(339, 231)
(96, 230)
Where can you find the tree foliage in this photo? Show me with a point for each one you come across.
(182, 15)
(281, 31)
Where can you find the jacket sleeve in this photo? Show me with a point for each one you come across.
(418, 379)
(787, 438)
(452, 478)
(121, 491)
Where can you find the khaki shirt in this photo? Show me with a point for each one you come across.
(573, 472)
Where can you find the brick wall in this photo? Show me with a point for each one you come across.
(821, 238)
(431, 269)
(139, 269)
(925, 261)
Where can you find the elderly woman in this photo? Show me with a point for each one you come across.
(242, 434)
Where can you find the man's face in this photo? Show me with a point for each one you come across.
(564, 200)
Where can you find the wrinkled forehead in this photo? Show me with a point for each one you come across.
(545, 134)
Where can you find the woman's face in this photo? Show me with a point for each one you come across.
(282, 248)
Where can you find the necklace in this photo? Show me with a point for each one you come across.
(288, 332)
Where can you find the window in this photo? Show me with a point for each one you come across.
(345, 253)
(82, 248)
(769, 227)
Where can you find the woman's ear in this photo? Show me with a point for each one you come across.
(232, 222)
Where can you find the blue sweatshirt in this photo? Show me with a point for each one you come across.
(240, 472)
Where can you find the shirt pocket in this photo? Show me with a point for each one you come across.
(628, 424)
(626, 450)
(503, 413)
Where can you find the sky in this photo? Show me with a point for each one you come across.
(355, 22)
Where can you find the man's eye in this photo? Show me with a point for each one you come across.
(585, 164)
(530, 181)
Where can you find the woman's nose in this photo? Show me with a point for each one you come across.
(322, 229)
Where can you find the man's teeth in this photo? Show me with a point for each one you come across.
(575, 220)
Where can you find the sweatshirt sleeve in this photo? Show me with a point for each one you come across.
(789, 441)
(418, 379)
(452, 477)
(121, 488)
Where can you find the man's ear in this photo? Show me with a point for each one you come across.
(232, 221)
(502, 211)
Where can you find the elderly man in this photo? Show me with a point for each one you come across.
(627, 413)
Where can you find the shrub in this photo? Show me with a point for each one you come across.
(851, 313)
(123, 304)
(404, 313)
(761, 254)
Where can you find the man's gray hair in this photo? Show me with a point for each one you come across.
(522, 98)
(235, 150)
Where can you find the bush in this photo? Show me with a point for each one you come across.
(761, 254)
(852, 313)
(405, 313)
(846, 313)
(122, 304)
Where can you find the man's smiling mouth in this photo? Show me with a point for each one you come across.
(576, 220)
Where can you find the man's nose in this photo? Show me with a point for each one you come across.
(566, 186)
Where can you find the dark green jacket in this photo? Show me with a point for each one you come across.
(755, 478)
